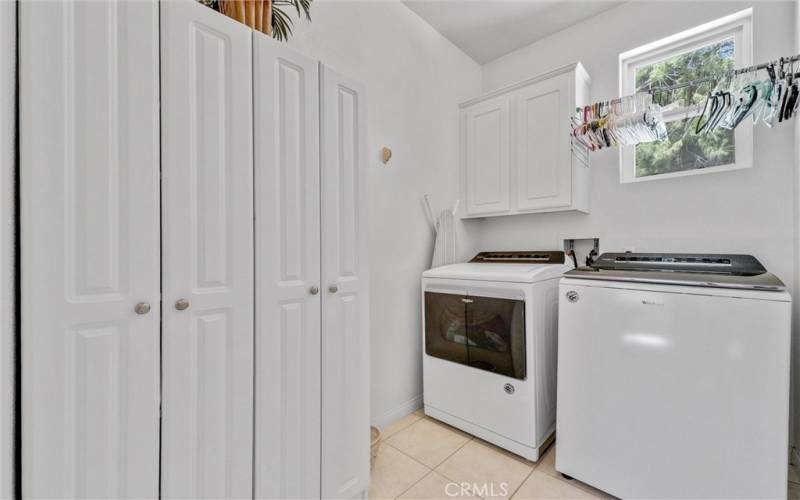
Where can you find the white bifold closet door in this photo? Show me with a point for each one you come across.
(207, 231)
(89, 131)
(345, 305)
(312, 349)
(287, 418)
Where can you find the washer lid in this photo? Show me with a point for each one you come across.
(764, 281)
(513, 273)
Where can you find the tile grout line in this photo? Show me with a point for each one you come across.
(386, 437)
(423, 463)
(408, 456)
(430, 471)
(520, 460)
(434, 469)
(535, 466)
(471, 438)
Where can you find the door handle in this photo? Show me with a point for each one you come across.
(314, 290)
(333, 288)
(182, 304)
(142, 308)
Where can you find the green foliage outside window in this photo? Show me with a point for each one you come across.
(685, 150)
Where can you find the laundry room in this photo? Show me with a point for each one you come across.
(526, 249)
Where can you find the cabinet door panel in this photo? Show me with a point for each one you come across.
(287, 425)
(486, 154)
(345, 307)
(90, 248)
(542, 165)
(207, 165)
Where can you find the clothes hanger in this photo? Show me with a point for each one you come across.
(791, 92)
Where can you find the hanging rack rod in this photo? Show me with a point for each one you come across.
(723, 74)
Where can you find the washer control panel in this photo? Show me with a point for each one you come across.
(741, 265)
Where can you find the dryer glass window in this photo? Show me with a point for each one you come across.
(445, 332)
(496, 335)
(482, 332)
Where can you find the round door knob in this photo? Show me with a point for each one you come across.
(314, 290)
(182, 304)
(142, 308)
(333, 288)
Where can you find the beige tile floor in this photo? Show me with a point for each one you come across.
(422, 458)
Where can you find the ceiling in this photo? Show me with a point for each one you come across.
(488, 29)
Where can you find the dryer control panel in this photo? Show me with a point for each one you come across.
(530, 257)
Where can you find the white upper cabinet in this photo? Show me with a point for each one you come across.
(486, 146)
(515, 147)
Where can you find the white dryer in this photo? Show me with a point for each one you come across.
(489, 347)
(673, 377)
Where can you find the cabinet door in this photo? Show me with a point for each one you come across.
(542, 166)
(287, 232)
(345, 300)
(485, 143)
(207, 164)
(90, 248)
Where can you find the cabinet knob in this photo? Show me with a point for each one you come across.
(182, 304)
(314, 290)
(142, 308)
(333, 288)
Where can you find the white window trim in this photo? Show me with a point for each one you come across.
(738, 26)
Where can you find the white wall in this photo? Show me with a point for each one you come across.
(7, 277)
(749, 211)
(414, 78)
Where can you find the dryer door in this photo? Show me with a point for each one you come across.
(487, 333)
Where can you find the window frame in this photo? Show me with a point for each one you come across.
(739, 27)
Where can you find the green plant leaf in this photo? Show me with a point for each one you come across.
(281, 24)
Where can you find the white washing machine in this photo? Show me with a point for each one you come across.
(489, 347)
(673, 377)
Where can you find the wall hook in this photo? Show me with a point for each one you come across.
(386, 154)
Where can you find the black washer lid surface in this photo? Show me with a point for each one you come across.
(730, 264)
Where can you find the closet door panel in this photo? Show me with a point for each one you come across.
(287, 425)
(90, 248)
(8, 250)
(485, 132)
(542, 164)
(207, 183)
(345, 324)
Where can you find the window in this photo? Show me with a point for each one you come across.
(691, 55)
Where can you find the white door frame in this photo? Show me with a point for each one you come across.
(8, 275)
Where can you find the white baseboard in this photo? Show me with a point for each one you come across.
(398, 412)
